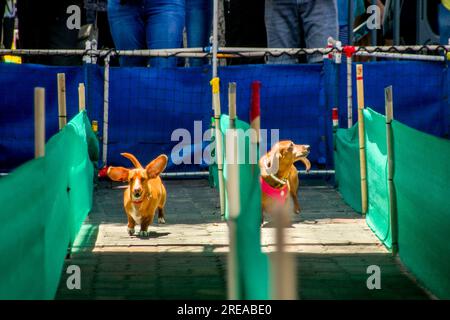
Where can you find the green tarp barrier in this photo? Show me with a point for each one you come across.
(253, 265)
(377, 215)
(422, 184)
(348, 176)
(43, 204)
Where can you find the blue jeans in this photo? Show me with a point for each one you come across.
(285, 19)
(444, 24)
(198, 26)
(147, 24)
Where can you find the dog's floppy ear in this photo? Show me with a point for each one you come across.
(118, 173)
(157, 166)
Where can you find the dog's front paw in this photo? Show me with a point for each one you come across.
(143, 233)
(130, 231)
(161, 220)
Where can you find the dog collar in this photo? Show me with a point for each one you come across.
(279, 195)
(280, 181)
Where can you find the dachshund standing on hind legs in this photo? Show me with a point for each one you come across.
(279, 176)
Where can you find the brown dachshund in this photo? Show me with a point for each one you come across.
(279, 177)
(145, 192)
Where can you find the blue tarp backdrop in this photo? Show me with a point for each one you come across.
(147, 105)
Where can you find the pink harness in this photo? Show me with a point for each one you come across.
(278, 194)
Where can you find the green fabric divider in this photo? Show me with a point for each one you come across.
(348, 175)
(422, 185)
(253, 265)
(44, 203)
(346, 159)
(377, 216)
(213, 177)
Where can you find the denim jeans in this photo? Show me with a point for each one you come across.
(198, 26)
(147, 24)
(286, 19)
(444, 24)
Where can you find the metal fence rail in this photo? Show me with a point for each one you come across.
(237, 52)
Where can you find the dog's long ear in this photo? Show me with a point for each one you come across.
(157, 166)
(133, 159)
(118, 173)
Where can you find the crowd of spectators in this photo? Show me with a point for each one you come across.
(162, 24)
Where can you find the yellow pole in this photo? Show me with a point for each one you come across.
(361, 130)
(215, 84)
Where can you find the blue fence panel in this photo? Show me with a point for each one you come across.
(17, 83)
(147, 104)
(419, 93)
(290, 96)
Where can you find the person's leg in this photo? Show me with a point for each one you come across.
(2, 13)
(282, 25)
(127, 30)
(444, 24)
(320, 21)
(198, 26)
(8, 32)
(164, 21)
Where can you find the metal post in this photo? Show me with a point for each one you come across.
(215, 42)
(349, 92)
(390, 155)
(105, 110)
(216, 106)
(396, 27)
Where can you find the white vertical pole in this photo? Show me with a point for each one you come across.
(349, 92)
(81, 97)
(233, 195)
(216, 106)
(105, 111)
(283, 275)
(39, 122)
(62, 109)
(215, 40)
